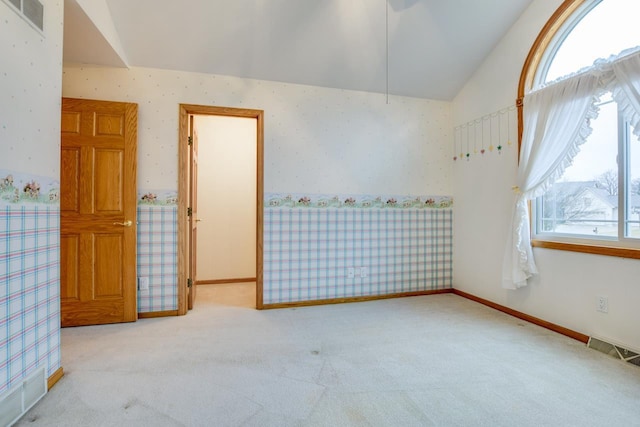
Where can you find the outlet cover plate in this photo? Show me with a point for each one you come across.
(363, 272)
(351, 272)
(602, 304)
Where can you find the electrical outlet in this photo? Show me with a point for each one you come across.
(602, 304)
(351, 273)
(363, 272)
(143, 283)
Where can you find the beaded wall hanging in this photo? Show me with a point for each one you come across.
(488, 134)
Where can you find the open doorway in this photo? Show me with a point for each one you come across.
(226, 201)
(186, 223)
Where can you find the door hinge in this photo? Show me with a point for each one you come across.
(189, 211)
(189, 283)
(190, 139)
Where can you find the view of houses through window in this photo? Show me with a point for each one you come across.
(598, 196)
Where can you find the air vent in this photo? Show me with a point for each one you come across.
(21, 398)
(31, 11)
(11, 407)
(617, 351)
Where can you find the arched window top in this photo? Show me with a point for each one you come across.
(594, 29)
(559, 50)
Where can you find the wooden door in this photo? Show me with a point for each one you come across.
(98, 212)
(193, 204)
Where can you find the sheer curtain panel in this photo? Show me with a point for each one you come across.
(626, 88)
(556, 123)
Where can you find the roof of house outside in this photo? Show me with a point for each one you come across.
(575, 187)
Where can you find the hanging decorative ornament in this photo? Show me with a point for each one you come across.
(475, 142)
(509, 126)
(456, 138)
(461, 156)
(482, 141)
(499, 115)
(468, 150)
(478, 144)
(491, 132)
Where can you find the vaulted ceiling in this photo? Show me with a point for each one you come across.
(434, 46)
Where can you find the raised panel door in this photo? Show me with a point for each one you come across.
(98, 212)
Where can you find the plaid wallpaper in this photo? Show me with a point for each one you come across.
(158, 257)
(309, 245)
(29, 291)
(403, 243)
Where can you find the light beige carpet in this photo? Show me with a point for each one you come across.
(434, 360)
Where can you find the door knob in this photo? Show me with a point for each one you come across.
(198, 220)
(127, 223)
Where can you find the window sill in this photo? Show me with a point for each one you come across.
(588, 249)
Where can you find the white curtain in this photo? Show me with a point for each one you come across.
(556, 122)
(626, 88)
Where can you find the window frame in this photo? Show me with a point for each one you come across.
(547, 43)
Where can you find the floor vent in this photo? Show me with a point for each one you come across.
(614, 350)
(21, 398)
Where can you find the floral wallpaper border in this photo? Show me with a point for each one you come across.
(157, 197)
(323, 201)
(23, 188)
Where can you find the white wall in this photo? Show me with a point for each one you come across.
(30, 87)
(99, 15)
(226, 197)
(565, 291)
(317, 140)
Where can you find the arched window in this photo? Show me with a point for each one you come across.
(579, 159)
(596, 29)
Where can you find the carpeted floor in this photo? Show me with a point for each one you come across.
(434, 360)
